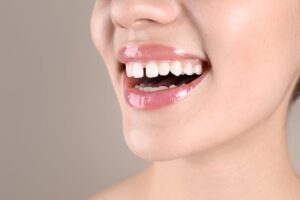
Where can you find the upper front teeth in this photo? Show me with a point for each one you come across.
(137, 70)
(163, 68)
(151, 70)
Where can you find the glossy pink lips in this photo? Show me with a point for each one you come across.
(155, 99)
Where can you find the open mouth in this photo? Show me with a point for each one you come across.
(156, 76)
(153, 84)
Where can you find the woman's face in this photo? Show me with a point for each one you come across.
(253, 49)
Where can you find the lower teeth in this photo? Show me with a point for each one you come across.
(152, 89)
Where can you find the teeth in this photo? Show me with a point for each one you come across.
(188, 68)
(129, 69)
(151, 70)
(138, 71)
(176, 68)
(151, 89)
(163, 87)
(164, 68)
(198, 69)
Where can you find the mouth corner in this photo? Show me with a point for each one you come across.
(121, 67)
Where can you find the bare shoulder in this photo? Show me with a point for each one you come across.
(130, 188)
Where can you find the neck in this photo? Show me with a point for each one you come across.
(254, 166)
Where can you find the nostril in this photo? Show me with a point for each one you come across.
(134, 25)
(141, 23)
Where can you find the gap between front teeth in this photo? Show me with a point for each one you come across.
(163, 68)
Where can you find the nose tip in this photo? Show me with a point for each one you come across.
(139, 14)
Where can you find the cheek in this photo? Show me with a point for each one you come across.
(252, 51)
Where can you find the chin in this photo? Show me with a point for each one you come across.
(149, 150)
(163, 143)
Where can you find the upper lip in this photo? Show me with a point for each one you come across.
(151, 51)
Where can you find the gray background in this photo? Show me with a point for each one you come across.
(58, 113)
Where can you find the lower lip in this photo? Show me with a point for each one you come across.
(156, 99)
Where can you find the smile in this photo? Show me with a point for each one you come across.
(158, 75)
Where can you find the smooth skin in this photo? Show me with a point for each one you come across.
(227, 139)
